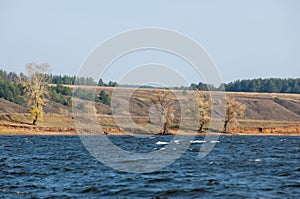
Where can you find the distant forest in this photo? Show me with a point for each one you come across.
(268, 85)
(11, 86)
(58, 79)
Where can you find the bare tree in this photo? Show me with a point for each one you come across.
(234, 109)
(165, 107)
(36, 89)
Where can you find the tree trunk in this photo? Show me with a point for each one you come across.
(165, 131)
(225, 126)
(35, 120)
(200, 128)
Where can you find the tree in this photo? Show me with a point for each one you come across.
(234, 109)
(36, 89)
(193, 86)
(101, 82)
(199, 107)
(104, 98)
(204, 108)
(60, 94)
(112, 84)
(11, 91)
(202, 86)
(165, 107)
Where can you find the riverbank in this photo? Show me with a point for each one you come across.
(19, 129)
(266, 114)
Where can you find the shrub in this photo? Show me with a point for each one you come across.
(276, 99)
(11, 92)
(104, 98)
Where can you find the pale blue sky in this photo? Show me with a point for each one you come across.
(246, 39)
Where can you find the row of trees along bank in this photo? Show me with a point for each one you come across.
(202, 110)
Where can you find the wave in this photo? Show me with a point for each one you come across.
(197, 141)
(161, 143)
(255, 160)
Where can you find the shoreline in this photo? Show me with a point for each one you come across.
(197, 135)
(28, 130)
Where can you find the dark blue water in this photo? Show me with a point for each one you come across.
(238, 167)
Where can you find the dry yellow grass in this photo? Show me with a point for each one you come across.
(262, 109)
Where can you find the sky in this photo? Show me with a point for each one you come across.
(245, 39)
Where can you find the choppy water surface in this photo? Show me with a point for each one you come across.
(238, 167)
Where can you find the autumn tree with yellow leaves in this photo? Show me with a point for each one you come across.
(234, 109)
(199, 107)
(36, 88)
(204, 108)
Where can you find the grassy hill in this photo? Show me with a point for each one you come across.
(259, 106)
(262, 109)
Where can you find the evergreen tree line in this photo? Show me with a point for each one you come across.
(10, 76)
(60, 94)
(71, 80)
(11, 91)
(14, 92)
(269, 85)
(58, 79)
(11, 88)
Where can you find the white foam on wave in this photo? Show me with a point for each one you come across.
(215, 141)
(197, 141)
(176, 141)
(161, 143)
(255, 160)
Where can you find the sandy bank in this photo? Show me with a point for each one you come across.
(18, 129)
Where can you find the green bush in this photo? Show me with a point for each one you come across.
(104, 98)
(11, 92)
(60, 94)
(84, 94)
(276, 99)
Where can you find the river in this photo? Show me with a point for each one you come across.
(237, 167)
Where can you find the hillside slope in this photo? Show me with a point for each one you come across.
(266, 106)
(259, 106)
(50, 107)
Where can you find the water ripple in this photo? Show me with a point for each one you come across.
(238, 167)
